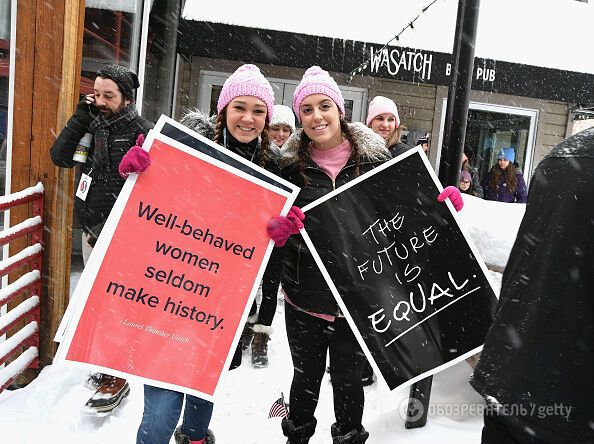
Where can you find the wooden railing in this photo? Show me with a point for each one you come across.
(23, 346)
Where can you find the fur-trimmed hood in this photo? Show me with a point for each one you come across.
(371, 145)
(197, 121)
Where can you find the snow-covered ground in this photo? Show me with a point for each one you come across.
(51, 409)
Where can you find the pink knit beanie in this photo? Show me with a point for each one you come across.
(382, 105)
(247, 80)
(317, 81)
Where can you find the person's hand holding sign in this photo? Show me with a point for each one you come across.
(454, 195)
(136, 160)
(279, 228)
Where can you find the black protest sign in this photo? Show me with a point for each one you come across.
(402, 270)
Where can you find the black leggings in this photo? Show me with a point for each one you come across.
(270, 283)
(310, 338)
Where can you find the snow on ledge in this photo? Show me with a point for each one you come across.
(7, 198)
(21, 282)
(24, 253)
(18, 365)
(11, 343)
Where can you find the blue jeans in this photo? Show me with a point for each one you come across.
(162, 408)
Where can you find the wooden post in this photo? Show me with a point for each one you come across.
(49, 53)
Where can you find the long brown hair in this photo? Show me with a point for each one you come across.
(509, 174)
(220, 125)
(303, 149)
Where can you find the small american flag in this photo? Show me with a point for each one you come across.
(279, 408)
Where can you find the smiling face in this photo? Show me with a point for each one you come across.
(384, 124)
(320, 119)
(108, 97)
(279, 134)
(246, 118)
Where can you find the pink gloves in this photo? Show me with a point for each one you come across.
(136, 160)
(279, 228)
(454, 195)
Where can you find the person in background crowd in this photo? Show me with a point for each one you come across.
(383, 119)
(245, 108)
(505, 183)
(282, 125)
(535, 371)
(424, 142)
(324, 154)
(110, 117)
(465, 185)
(476, 188)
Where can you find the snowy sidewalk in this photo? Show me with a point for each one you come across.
(51, 409)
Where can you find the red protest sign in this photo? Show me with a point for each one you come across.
(174, 279)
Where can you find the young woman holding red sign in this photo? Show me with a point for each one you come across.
(244, 108)
(325, 154)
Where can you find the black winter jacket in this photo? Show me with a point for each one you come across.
(102, 195)
(302, 280)
(539, 351)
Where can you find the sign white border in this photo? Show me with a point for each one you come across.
(343, 308)
(80, 296)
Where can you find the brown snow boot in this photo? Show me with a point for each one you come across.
(109, 394)
(260, 345)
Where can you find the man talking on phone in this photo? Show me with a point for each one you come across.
(104, 126)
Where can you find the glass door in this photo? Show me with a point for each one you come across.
(493, 127)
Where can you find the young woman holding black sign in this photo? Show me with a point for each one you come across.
(244, 108)
(325, 154)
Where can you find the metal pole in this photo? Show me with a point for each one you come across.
(451, 154)
(459, 92)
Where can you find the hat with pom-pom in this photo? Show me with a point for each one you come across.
(382, 105)
(507, 154)
(283, 115)
(317, 81)
(247, 80)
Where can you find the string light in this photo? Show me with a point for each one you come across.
(410, 25)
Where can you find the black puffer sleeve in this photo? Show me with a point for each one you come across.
(63, 148)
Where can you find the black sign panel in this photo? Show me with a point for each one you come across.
(405, 273)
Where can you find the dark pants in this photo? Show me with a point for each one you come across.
(310, 338)
(270, 283)
(162, 408)
(498, 431)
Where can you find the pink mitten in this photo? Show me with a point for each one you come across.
(454, 195)
(296, 216)
(279, 228)
(136, 160)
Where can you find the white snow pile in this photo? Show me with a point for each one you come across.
(493, 227)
